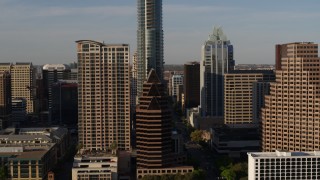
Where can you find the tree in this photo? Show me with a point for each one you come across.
(151, 177)
(196, 136)
(199, 174)
(179, 177)
(167, 177)
(229, 174)
(223, 162)
(3, 173)
(241, 169)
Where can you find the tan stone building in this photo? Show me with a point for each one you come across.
(291, 116)
(103, 95)
(22, 82)
(238, 86)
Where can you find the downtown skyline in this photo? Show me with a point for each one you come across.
(44, 32)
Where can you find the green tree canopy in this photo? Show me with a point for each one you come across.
(196, 136)
(3, 173)
(229, 174)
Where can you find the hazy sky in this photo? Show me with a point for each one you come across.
(45, 31)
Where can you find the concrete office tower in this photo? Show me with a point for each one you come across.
(103, 95)
(217, 59)
(153, 127)
(238, 86)
(177, 79)
(149, 40)
(191, 85)
(5, 100)
(291, 117)
(22, 82)
(51, 73)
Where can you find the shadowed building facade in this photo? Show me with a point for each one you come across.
(149, 40)
(153, 125)
(217, 59)
(5, 100)
(191, 85)
(51, 74)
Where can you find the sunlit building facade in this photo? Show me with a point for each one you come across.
(103, 95)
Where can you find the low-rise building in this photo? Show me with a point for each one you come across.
(89, 165)
(30, 153)
(234, 142)
(141, 172)
(283, 165)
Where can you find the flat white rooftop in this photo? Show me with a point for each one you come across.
(283, 154)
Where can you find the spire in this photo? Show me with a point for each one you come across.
(217, 34)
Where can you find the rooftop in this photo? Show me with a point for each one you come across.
(284, 154)
(55, 67)
(32, 154)
(251, 72)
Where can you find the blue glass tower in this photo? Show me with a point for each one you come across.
(149, 40)
(217, 59)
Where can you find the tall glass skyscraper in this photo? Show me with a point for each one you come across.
(149, 40)
(217, 59)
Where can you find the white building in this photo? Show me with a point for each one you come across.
(284, 165)
(177, 79)
(89, 165)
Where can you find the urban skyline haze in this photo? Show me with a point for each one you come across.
(45, 31)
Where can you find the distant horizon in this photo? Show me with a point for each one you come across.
(164, 64)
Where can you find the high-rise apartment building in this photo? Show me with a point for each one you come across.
(22, 82)
(191, 85)
(238, 95)
(149, 40)
(291, 116)
(103, 95)
(5, 100)
(51, 73)
(217, 59)
(153, 125)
